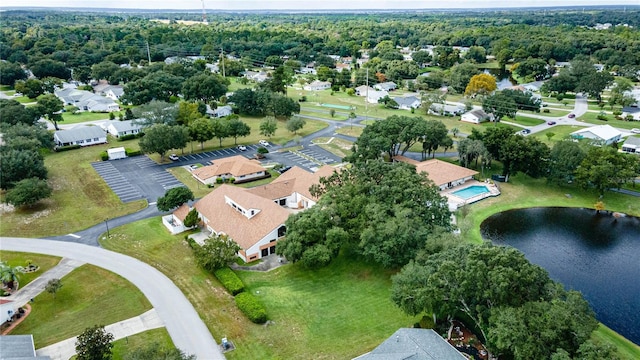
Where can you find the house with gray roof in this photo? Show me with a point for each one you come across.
(120, 128)
(86, 100)
(18, 347)
(220, 111)
(407, 102)
(631, 145)
(80, 135)
(599, 134)
(414, 344)
(476, 116)
(446, 109)
(386, 86)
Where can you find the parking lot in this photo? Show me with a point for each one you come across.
(208, 155)
(309, 158)
(136, 178)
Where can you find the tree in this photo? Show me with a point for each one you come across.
(435, 134)
(155, 351)
(500, 105)
(201, 130)
(280, 105)
(295, 123)
(159, 85)
(9, 275)
(50, 107)
(155, 112)
(531, 69)
(470, 150)
(471, 280)
(192, 218)
(204, 87)
(525, 154)
(104, 70)
(268, 126)
(53, 286)
(461, 74)
(18, 165)
(26, 137)
(220, 129)
(564, 159)
(31, 88)
(49, 67)
(481, 84)
(174, 197)
(10, 72)
(421, 57)
(186, 113)
(160, 138)
(477, 54)
(603, 168)
(94, 344)
(216, 252)
(28, 192)
(237, 128)
(12, 113)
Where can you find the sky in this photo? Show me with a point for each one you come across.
(307, 5)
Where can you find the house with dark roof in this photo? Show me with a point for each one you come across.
(414, 344)
(19, 347)
(254, 218)
(80, 135)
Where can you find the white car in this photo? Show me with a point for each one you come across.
(173, 157)
(635, 131)
(242, 148)
(264, 143)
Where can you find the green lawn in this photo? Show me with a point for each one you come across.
(89, 296)
(158, 337)
(334, 313)
(354, 131)
(70, 118)
(592, 118)
(557, 111)
(324, 115)
(337, 146)
(561, 132)
(525, 120)
(44, 262)
(80, 198)
(627, 349)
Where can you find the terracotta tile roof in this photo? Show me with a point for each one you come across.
(302, 180)
(224, 218)
(440, 172)
(235, 166)
(181, 212)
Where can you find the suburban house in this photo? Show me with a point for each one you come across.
(445, 175)
(386, 86)
(237, 167)
(600, 135)
(407, 102)
(374, 96)
(342, 66)
(113, 92)
(122, 128)
(256, 76)
(317, 85)
(254, 218)
(363, 90)
(19, 347)
(412, 343)
(307, 70)
(80, 135)
(631, 145)
(86, 100)
(475, 116)
(220, 111)
(446, 109)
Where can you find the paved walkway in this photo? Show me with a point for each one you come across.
(67, 348)
(187, 330)
(34, 288)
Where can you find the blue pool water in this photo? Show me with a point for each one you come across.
(471, 191)
(341, 107)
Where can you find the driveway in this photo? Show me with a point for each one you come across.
(187, 330)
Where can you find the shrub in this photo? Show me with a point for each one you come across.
(219, 180)
(232, 180)
(130, 152)
(545, 110)
(192, 243)
(104, 156)
(67, 148)
(251, 307)
(126, 137)
(230, 280)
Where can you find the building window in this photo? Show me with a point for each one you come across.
(95, 139)
(282, 230)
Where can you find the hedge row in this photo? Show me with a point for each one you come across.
(230, 280)
(67, 148)
(251, 307)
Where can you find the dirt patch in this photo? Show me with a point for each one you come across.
(6, 208)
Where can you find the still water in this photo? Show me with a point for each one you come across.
(595, 254)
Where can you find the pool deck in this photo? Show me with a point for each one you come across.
(455, 202)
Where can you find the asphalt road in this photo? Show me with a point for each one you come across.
(187, 330)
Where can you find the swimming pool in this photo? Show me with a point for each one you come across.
(341, 107)
(470, 191)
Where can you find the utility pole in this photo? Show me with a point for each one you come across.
(148, 53)
(222, 61)
(366, 99)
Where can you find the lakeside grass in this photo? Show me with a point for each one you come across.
(14, 258)
(626, 349)
(337, 312)
(80, 199)
(89, 296)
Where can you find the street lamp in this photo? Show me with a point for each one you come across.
(106, 222)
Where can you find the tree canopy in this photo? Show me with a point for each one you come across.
(174, 197)
(160, 138)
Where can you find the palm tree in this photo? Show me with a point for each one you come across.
(9, 276)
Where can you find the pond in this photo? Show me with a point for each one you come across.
(503, 78)
(596, 254)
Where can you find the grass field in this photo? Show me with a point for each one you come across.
(525, 121)
(89, 296)
(45, 263)
(334, 313)
(560, 132)
(556, 111)
(156, 337)
(592, 118)
(80, 198)
(70, 118)
(337, 146)
(627, 349)
(354, 131)
(323, 115)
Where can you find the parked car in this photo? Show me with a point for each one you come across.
(173, 157)
(264, 143)
(242, 148)
(571, 116)
(635, 131)
(551, 122)
(283, 169)
(525, 131)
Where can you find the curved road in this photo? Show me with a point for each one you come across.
(187, 330)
